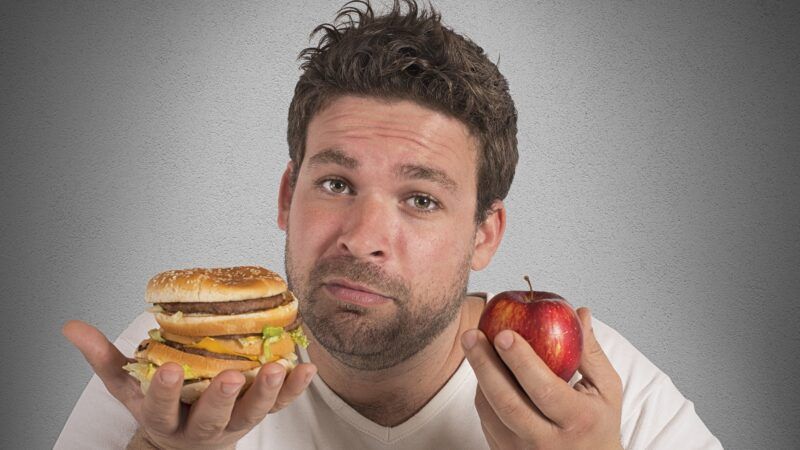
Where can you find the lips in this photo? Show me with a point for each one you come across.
(349, 292)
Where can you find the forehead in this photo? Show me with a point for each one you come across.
(402, 129)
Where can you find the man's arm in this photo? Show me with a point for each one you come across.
(654, 414)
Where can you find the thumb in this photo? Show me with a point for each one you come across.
(105, 359)
(595, 365)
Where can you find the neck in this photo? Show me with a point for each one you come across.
(391, 396)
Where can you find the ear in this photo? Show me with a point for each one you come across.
(285, 196)
(488, 236)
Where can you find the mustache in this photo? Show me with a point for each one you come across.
(361, 272)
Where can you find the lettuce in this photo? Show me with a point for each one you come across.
(141, 370)
(299, 337)
(274, 334)
(188, 373)
(144, 371)
(155, 334)
(270, 334)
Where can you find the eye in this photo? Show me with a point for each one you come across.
(335, 186)
(424, 203)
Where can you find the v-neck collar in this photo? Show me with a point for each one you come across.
(384, 434)
(390, 434)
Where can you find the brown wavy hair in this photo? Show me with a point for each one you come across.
(408, 54)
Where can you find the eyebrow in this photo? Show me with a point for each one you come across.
(410, 171)
(333, 156)
(437, 176)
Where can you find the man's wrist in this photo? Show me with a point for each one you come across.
(140, 441)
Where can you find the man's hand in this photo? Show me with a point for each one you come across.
(216, 420)
(523, 404)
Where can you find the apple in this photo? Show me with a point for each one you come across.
(545, 320)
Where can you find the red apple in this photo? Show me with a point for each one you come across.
(545, 320)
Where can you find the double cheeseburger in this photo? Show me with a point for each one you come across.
(212, 320)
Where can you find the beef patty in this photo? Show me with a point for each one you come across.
(226, 308)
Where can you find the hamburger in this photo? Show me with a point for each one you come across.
(212, 320)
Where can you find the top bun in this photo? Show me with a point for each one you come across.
(225, 284)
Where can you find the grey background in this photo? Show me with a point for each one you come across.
(657, 181)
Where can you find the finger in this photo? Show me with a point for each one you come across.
(106, 361)
(259, 398)
(554, 397)
(161, 407)
(493, 428)
(502, 392)
(595, 365)
(211, 413)
(295, 383)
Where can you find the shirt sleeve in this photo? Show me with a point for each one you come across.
(667, 420)
(655, 415)
(100, 421)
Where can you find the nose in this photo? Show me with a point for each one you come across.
(368, 226)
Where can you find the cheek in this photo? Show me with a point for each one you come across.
(310, 230)
(438, 254)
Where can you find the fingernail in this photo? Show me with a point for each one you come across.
(230, 388)
(308, 378)
(274, 379)
(169, 377)
(469, 338)
(504, 339)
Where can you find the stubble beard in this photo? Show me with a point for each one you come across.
(351, 333)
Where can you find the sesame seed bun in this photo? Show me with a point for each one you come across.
(214, 285)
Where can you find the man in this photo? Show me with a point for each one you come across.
(402, 138)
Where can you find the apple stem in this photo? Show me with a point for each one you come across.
(530, 286)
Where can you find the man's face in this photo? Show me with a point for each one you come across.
(380, 228)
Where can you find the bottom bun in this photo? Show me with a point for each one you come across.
(191, 391)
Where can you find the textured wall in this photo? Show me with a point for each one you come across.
(657, 179)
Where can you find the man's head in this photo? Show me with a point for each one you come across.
(403, 144)
(409, 54)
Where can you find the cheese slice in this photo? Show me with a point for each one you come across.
(222, 347)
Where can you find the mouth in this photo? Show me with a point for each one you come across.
(354, 293)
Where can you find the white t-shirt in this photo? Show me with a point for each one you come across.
(654, 413)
